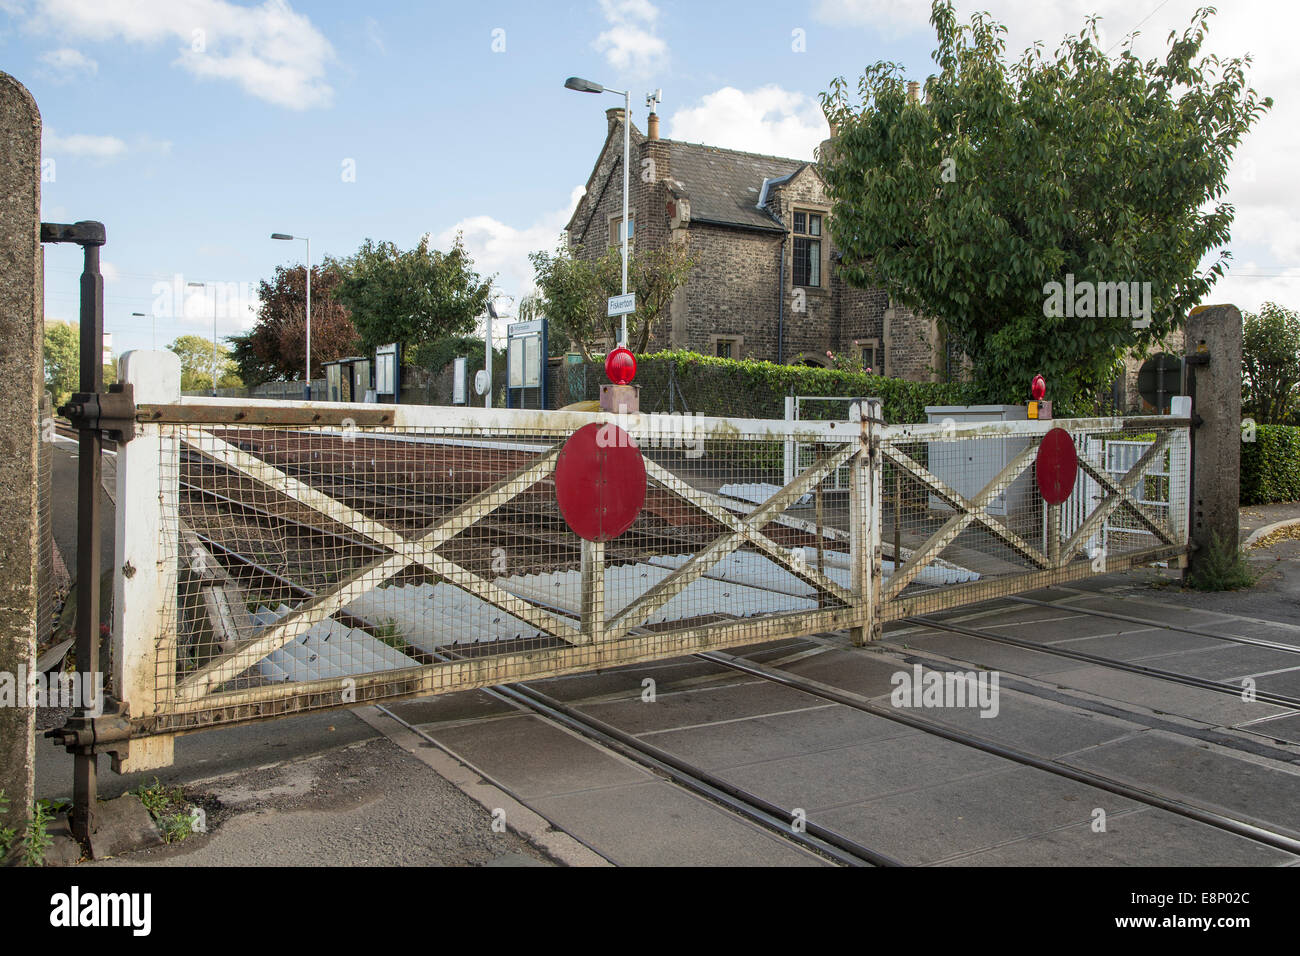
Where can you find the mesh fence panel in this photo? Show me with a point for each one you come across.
(317, 554)
(958, 509)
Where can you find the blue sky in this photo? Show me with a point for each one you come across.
(192, 147)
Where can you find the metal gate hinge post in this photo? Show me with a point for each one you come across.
(112, 412)
(108, 733)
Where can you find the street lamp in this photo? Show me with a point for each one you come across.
(204, 287)
(306, 239)
(154, 334)
(587, 86)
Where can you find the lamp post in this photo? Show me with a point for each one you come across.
(587, 86)
(204, 287)
(306, 239)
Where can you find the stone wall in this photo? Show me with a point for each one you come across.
(21, 372)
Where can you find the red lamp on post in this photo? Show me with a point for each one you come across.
(620, 366)
(620, 395)
(1038, 408)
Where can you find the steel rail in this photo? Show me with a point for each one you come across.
(696, 779)
(1233, 638)
(1188, 680)
(1200, 814)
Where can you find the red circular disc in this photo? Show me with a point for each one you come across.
(600, 481)
(1057, 466)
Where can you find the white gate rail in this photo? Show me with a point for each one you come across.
(258, 541)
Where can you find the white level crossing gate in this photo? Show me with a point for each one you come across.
(302, 557)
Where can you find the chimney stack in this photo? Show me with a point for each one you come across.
(614, 116)
(913, 91)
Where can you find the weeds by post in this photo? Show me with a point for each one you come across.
(1224, 568)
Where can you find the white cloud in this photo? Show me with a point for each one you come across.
(630, 44)
(98, 148)
(82, 145)
(766, 120)
(498, 247)
(270, 51)
(66, 64)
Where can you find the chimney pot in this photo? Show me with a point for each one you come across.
(652, 126)
(913, 91)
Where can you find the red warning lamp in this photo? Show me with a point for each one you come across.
(1038, 388)
(620, 366)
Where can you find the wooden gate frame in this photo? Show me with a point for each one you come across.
(146, 629)
(200, 699)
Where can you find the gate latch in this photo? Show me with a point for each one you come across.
(111, 412)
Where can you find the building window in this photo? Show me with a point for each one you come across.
(867, 352)
(727, 346)
(616, 238)
(807, 249)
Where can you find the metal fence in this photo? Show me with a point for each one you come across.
(963, 521)
(304, 557)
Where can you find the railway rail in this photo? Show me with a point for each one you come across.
(1204, 683)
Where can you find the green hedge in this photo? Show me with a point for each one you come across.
(750, 389)
(1270, 465)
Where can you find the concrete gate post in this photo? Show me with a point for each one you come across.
(1213, 364)
(21, 387)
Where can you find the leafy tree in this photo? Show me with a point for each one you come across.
(574, 293)
(197, 355)
(62, 353)
(1008, 177)
(1270, 363)
(275, 348)
(413, 296)
(62, 358)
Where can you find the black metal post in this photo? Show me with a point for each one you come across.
(89, 530)
(90, 236)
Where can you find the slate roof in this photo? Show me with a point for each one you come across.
(723, 185)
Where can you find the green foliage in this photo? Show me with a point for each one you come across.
(176, 826)
(1012, 176)
(1270, 465)
(62, 353)
(573, 293)
(1270, 363)
(1223, 567)
(437, 354)
(7, 834)
(197, 356)
(275, 349)
(413, 296)
(169, 809)
(751, 389)
(36, 840)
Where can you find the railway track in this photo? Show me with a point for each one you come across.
(1173, 677)
(1147, 622)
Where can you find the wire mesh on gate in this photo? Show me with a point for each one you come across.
(309, 555)
(961, 506)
